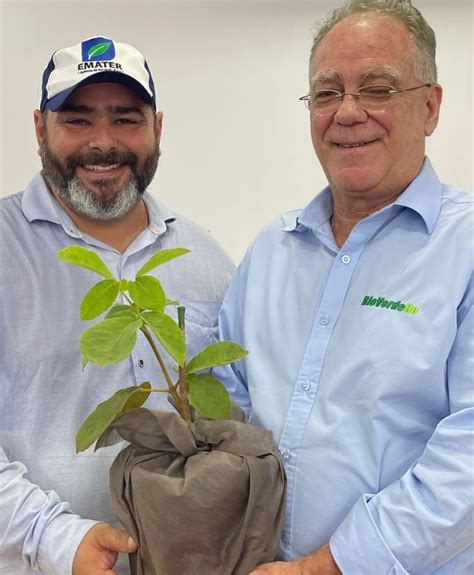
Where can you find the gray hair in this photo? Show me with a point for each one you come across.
(420, 32)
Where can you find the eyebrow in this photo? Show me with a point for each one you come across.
(388, 71)
(112, 110)
(333, 76)
(326, 76)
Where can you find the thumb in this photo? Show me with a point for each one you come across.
(115, 540)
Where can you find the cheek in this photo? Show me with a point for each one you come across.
(318, 127)
(64, 146)
(140, 145)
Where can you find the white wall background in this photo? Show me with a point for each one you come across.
(236, 146)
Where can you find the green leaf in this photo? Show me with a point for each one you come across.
(209, 396)
(219, 353)
(123, 285)
(106, 412)
(121, 309)
(99, 298)
(160, 258)
(147, 293)
(79, 256)
(109, 341)
(168, 334)
(98, 49)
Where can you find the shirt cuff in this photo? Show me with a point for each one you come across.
(59, 543)
(358, 546)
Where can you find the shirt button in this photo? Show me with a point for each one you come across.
(286, 456)
(324, 320)
(306, 386)
(346, 259)
(141, 363)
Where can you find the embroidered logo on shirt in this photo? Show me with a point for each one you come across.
(390, 304)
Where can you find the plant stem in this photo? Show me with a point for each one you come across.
(171, 389)
(182, 381)
(179, 393)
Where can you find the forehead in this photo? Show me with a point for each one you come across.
(99, 96)
(363, 42)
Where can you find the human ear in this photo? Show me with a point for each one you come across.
(39, 119)
(158, 125)
(433, 104)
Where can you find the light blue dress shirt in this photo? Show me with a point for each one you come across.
(50, 496)
(362, 364)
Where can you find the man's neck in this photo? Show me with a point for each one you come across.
(119, 233)
(349, 211)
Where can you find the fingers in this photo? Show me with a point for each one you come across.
(267, 569)
(98, 551)
(108, 537)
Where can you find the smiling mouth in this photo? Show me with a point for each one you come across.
(101, 169)
(357, 145)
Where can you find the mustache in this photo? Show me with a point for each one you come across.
(101, 159)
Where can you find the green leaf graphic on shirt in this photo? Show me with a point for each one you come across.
(98, 49)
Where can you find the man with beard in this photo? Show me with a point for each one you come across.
(98, 133)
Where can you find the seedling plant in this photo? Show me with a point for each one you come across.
(142, 307)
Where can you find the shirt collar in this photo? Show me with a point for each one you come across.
(158, 215)
(423, 196)
(316, 213)
(39, 204)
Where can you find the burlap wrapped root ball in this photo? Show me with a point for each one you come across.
(201, 498)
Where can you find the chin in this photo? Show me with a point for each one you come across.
(355, 180)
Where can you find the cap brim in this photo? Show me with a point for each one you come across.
(58, 101)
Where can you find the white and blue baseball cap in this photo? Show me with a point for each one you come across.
(95, 60)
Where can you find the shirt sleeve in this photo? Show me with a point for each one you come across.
(37, 530)
(425, 519)
(230, 328)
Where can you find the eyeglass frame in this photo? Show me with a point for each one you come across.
(339, 96)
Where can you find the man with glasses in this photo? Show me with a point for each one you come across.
(357, 314)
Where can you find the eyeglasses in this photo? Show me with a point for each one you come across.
(326, 101)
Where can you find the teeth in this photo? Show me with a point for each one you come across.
(95, 168)
(352, 145)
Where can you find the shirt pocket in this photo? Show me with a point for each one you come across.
(201, 325)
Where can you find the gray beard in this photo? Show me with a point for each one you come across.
(86, 203)
(106, 205)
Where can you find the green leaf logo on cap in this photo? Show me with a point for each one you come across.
(98, 49)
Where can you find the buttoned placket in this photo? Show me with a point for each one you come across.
(142, 363)
(125, 266)
(326, 315)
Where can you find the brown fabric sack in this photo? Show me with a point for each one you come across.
(201, 498)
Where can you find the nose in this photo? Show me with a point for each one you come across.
(102, 137)
(350, 110)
